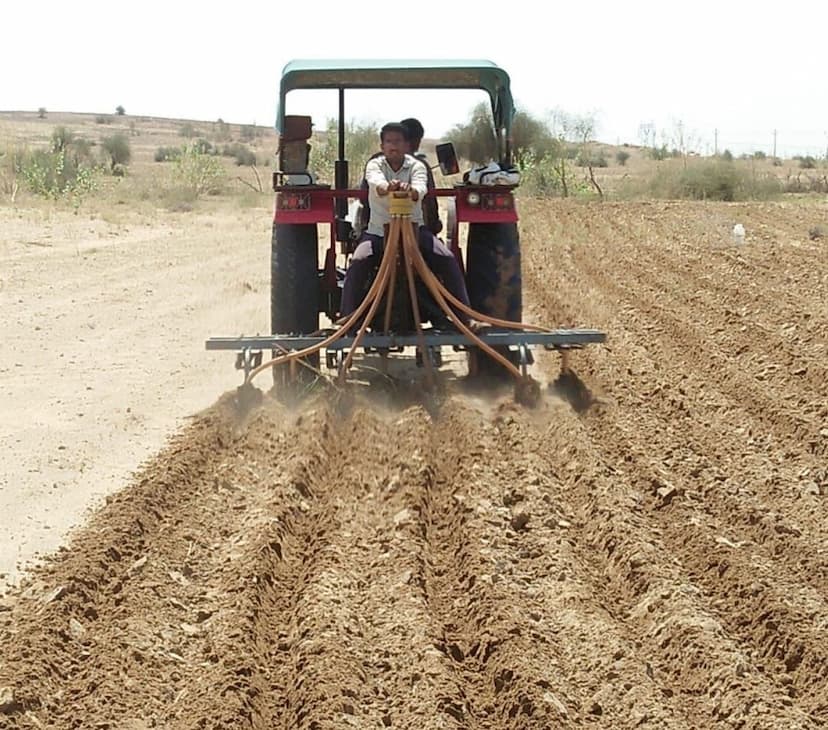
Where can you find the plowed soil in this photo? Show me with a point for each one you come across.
(648, 548)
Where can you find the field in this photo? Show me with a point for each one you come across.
(648, 548)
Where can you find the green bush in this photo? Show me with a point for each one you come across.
(475, 140)
(727, 156)
(532, 134)
(41, 112)
(117, 149)
(542, 176)
(759, 155)
(811, 184)
(11, 168)
(243, 155)
(361, 141)
(713, 180)
(120, 111)
(167, 154)
(205, 147)
(78, 150)
(197, 172)
(103, 119)
(549, 175)
(187, 130)
(222, 130)
(61, 139)
(807, 162)
(585, 159)
(659, 153)
(249, 132)
(56, 175)
(621, 157)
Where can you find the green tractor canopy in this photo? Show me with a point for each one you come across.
(403, 74)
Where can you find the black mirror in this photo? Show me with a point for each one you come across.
(447, 159)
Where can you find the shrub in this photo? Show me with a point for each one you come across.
(103, 119)
(222, 130)
(659, 153)
(167, 154)
(759, 155)
(120, 111)
(807, 162)
(713, 180)
(77, 149)
(475, 140)
(585, 159)
(205, 147)
(361, 141)
(11, 167)
(543, 175)
(621, 157)
(197, 172)
(187, 130)
(727, 156)
(550, 175)
(61, 139)
(248, 132)
(117, 149)
(242, 154)
(811, 184)
(55, 174)
(41, 112)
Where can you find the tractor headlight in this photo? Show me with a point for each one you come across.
(473, 198)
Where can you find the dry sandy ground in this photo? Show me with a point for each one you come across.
(655, 559)
(101, 354)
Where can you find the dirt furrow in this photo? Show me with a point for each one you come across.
(694, 455)
(687, 349)
(112, 628)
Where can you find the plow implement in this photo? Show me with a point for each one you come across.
(504, 342)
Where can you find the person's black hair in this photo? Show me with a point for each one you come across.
(394, 127)
(414, 127)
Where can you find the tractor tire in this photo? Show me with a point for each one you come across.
(493, 279)
(493, 275)
(294, 290)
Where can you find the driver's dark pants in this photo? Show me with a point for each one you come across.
(367, 257)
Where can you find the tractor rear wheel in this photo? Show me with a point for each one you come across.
(294, 290)
(493, 279)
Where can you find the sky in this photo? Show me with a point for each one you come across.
(742, 68)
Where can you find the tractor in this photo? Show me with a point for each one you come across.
(305, 284)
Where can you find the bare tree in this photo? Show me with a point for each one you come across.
(573, 130)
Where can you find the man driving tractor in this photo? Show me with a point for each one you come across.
(395, 170)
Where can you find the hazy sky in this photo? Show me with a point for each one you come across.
(745, 68)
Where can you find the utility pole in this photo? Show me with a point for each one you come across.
(716, 142)
(774, 144)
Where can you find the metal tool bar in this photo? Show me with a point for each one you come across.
(434, 338)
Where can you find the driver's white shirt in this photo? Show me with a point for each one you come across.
(377, 172)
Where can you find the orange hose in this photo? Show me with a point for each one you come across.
(387, 273)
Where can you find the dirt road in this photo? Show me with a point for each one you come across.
(656, 559)
(100, 357)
